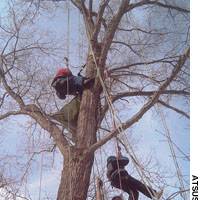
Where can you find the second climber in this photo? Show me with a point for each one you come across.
(120, 179)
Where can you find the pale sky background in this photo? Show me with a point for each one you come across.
(147, 135)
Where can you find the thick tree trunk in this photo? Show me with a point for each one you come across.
(77, 167)
(75, 177)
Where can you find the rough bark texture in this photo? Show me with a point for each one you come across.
(75, 176)
(78, 165)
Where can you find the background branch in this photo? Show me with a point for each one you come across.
(146, 106)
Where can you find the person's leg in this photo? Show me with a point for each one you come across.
(133, 195)
(134, 184)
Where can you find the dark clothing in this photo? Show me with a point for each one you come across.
(120, 179)
(70, 85)
(113, 164)
(117, 198)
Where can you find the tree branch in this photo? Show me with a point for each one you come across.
(157, 3)
(162, 60)
(140, 93)
(127, 45)
(90, 7)
(173, 195)
(11, 113)
(9, 90)
(2, 98)
(148, 93)
(77, 3)
(102, 7)
(147, 106)
(80, 4)
(111, 29)
(34, 112)
(174, 109)
(43, 120)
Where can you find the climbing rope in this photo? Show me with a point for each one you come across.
(170, 143)
(68, 114)
(137, 165)
(41, 173)
(118, 156)
(111, 107)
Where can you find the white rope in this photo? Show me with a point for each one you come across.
(68, 114)
(138, 167)
(111, 107)
(41, 172)
(169, 140)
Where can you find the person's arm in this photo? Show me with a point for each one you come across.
(123, 161)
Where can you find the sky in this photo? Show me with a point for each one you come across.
(2, 7)
(146, 134)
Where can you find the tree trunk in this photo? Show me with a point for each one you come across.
(75, 177)
(77, 167)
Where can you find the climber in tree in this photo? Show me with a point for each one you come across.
(65, 83)
(120, 178)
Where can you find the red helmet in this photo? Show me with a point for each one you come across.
(63, 72)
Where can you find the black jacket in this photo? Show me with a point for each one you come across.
(71, 85)
(114, 166)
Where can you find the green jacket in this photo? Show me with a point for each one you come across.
(68, 115)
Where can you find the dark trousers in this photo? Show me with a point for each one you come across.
(132, 186)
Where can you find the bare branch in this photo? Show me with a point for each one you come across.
(44, 121)
(148, 93)
(9, 90)
(139, 94)
(99, 19)
(2, 99)
(86, 15)
(174, 109)
(172, 196)
(162, 60)
(152, 32)
(90, 6)
(127, 45)
(156, 95)
(127, 73)
(11, 113)
(77, 3)
(111, 29)
(157, 3)
(146, 106)
(103, 21)
(34, 112)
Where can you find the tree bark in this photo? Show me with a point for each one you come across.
(78, 164)
(75, 176)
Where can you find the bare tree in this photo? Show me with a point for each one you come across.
(136, 50)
